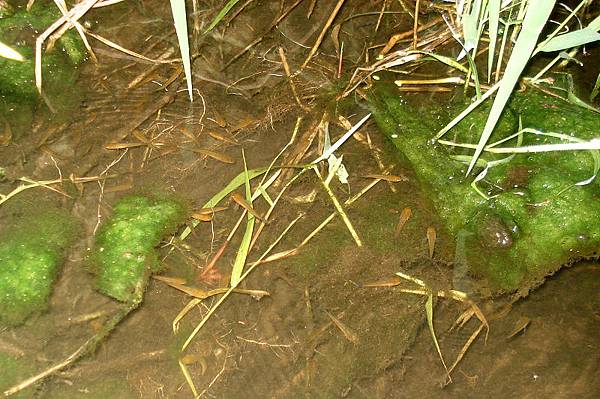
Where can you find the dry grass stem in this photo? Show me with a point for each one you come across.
(262, 37)
(286, 68)
(339, 208)
(315, 47)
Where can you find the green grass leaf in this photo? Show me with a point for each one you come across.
(429, 312)
(596, 88)
(228, 189)
(493, 25)
(571, 39)
(221, 15)
(534, 21)
(180, 21)
(242, 253)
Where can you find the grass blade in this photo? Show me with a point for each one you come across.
(180, 21)
(596, 89)
(429, 311)
(571, 39)
(494, 13)
(242, 253)
(536, 17)
(443, 59)
(233, 185)
(10, 53)
(221, 15)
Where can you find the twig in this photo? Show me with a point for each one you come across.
(339, 208)
(262, 37)
(87, 347)
(416, 24)
(332, 16)
(286, 68)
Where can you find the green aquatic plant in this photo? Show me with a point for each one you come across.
(516, 26)
(537, 212)
(30, 255)
(124, 255)
(19, 32)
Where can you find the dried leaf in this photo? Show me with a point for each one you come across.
(431, 237)
(222, 137)
(390, 178)
(215, 155)
(404, 216)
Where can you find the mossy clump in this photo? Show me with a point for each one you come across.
(124, 255)
(536, 217)
(18, 95)
(30, 257)
(20, 31)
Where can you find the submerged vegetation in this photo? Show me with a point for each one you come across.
(31, 255)
(530, 213)
(19, 98)
(512, 175)
(124, 256)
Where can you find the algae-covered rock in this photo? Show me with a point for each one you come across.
(124, 253)
(20, 31)
(30, 258)
(18, 94)
(535, 218)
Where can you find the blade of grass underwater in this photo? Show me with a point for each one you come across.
(233, 184)
(571, 39)
(429, 312)
(596, 89)
(494, 15)
(180, 21)
(573, 98)
(474, 74)
(10, 53)
(593, 25)
(221, 15)
(536, 17)
(466, 111)
(445, 60)
(242, 253)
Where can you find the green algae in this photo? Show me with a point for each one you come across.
(537, 219)
(18, 94)
(31, 255)
(125, 254)
(20, 31)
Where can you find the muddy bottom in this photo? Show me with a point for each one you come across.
(337, 321)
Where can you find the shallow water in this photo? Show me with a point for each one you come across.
(286, 345)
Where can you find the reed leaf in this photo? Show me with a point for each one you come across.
(535, 18)
(180, 21)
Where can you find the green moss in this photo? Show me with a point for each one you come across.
(18, 94)
(124, 252)
(30, 255)
(537, 219)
